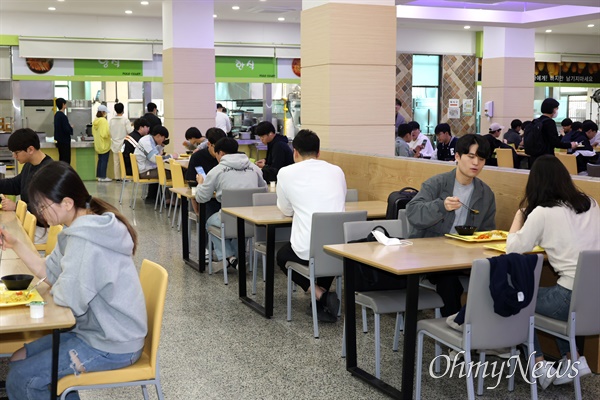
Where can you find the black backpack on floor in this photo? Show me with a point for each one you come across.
(398, 201)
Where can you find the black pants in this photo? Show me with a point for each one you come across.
(450, 289)
(64, 152)
(285, 254)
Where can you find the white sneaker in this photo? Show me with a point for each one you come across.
(104, 180)
(502, 353)
(568, 370)
(544, 375)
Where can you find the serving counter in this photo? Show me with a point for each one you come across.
(83, 157)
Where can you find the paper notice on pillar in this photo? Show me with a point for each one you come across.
(467, 107)
(453, 112)
(454, 103)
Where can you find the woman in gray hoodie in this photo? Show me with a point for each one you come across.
(91, 271)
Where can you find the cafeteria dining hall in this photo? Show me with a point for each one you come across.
(216, 199)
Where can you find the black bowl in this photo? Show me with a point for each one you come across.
(17, 281)
(465, 230)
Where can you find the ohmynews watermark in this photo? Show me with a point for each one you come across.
(496, 369)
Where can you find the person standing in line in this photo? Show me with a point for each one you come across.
(152, 116)
(101, 132)
(549, 134)
(399, 117)
(120, 127)
(222, 120)
(62, 131)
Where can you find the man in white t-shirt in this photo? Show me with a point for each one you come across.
(120, 127)
(308, 186)
(222, 120)
(420, 144)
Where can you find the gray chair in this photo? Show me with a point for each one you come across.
(483, 329)
(282, 235)
(593, 170)
(386, 301)
(351, 195)
(327, 228)
(584, 319)
(228, 228)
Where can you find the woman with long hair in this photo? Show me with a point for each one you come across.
(557, 216)
(102, 142)
(91, 271)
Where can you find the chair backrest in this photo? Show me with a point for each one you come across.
(154, 280)
(351, 195)
(488, 329)
(160, 168)
(593, 170)
(260, 232)
(29, 225)
(586, 296)
(176, 174)
(122, 166)
(404, 221)
(21, 210)
(360, 229)
(237, 198)
(53, 232)
(135, 170)
(569, 161)
(328, 228)
(505, 158)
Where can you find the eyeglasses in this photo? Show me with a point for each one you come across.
(43, 207)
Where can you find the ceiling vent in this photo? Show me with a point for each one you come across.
(272, 10)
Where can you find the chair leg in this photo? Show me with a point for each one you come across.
(344, 340)
(533, 385)
(512, 365)
(175, 211)
(122, 190)
(134, 199)
(264, 265)
(180, 216)
(377, 347)
(249, 247)
(170, 205)
(158, 194)
(470, 386)
(313, 302)
(438, 347)
(575, 357)
(159, 392)
(289, 294)
(399, 323)
(210, 252)
(255, 271)
(224, 257)
(338, 291)
(364, 319)
(480, 377)
(420, 336)
(145, 392)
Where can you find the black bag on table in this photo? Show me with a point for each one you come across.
(398, 200)
(371, 279)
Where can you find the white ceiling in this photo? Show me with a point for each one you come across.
(271, 10)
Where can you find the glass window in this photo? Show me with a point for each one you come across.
(426, 70)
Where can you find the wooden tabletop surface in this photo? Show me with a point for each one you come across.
(423, 256)
(16, 318)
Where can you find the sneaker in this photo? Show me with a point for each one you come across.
(566, 373)
(330, 303)
(544, 375)
(502, 353)
(104, 180)
(322, 315)
(232, 262)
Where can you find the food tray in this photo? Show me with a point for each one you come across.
(473, 238)
(6, 299)
(502, 248)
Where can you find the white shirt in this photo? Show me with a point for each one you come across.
(428, 150)
(148, 143)
(562, 233)
(119, 128)
(222, 121)
(305, 188)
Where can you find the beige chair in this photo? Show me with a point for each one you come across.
(505, 158)
(21, 210)
(146, 370)
(124, 177)
(48, 247)
(29, 225)
(569, 161)
(351, 195)
(177, 181)
(137, 181)
(163, 183)
(593, 170)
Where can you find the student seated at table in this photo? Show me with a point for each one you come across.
(235, 171)
(308, 186)
(446, 143)
(403, 138)
(194, 139)
(92, 272)
(279, 153)
(438, 208)
(420, 144)
(492, 137)
(557, 216)
(141, 128)
(25, 147)
(585, 152)
(147, 149)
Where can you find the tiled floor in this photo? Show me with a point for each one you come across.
(214, 347)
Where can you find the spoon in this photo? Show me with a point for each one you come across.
(469, 208)
(34, 286)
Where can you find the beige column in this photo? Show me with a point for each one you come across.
(507, 75)
(188, 68)
(349, 73)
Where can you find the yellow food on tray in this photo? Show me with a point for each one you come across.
(14, 298)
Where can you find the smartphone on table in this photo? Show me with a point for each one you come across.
(200, 171)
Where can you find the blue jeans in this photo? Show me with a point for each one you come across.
(102, 165)
(553, 302)
(30, 378)
(230, 244)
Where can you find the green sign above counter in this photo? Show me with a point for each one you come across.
(108, 68)
(245, 67)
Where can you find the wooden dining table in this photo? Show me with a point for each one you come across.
(271, 217)
(15, 320)
(421, 257)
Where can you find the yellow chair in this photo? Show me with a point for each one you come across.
(146, 370)
(569, 161)
(163, 183)
(29, 225)
(48, 247)
(505, 158)
(135, 172)
(21, 210)
(178, 182)
(124, 176)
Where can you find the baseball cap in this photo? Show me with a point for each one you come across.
(103, 108)
(496, 127)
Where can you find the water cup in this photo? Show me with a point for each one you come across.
(194, 189)
(36, 309)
